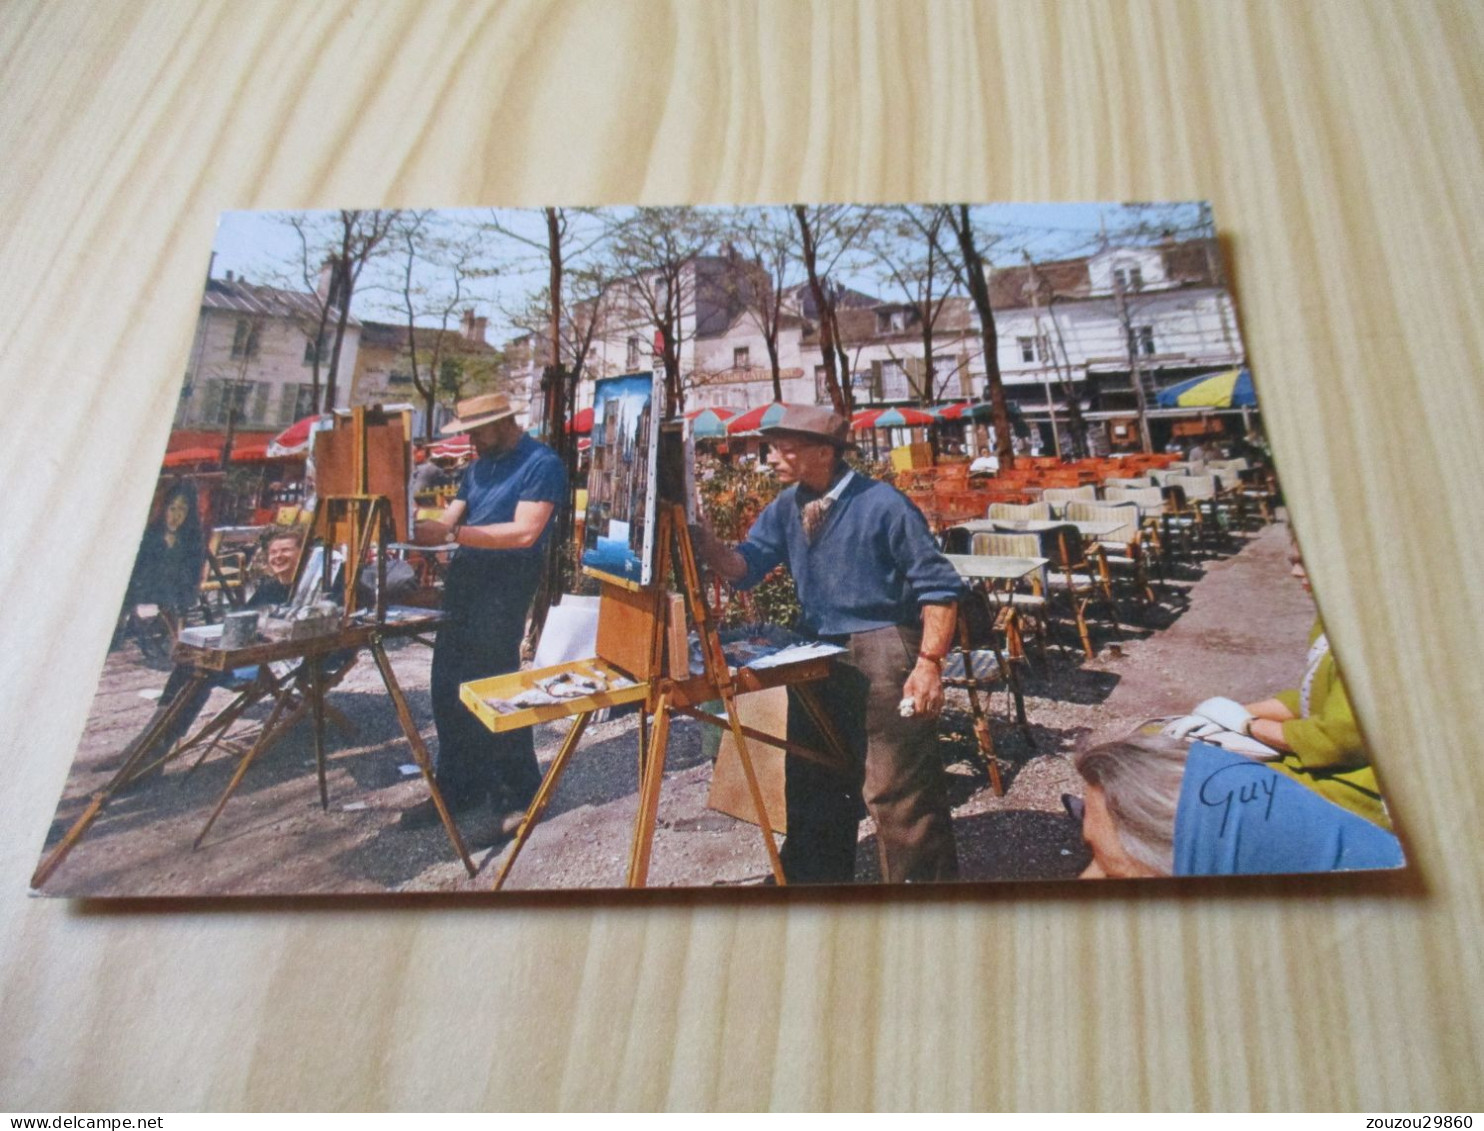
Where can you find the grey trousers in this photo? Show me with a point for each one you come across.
(896, 772)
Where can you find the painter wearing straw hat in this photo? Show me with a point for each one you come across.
(870, 578)
(500, 522)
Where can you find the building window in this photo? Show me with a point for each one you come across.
(742, 357)
(1129, 278)
(1034, 349)
(396, 378)
(245, 339)
(632, 361)
(895, 385)
(1141, 340)
(821, 390)
(304, 401)
(233, 405)
(891, 321)
(316, 350)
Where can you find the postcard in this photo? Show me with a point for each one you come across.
(730, 547)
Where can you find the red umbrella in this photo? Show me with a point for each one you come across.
(890, 418)
(250, 453)
(294, 440)
(965, 410)
(455, 447)
(581, 422)
(721, 412)
(755, 418)
(192, 455)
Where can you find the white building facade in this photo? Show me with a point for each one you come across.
(251, 361)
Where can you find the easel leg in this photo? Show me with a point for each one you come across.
(824, 725)
(763, 824)
(643, 741)
(981, 731)
(419, 750)
(124, 774)
(317, 702)
(242, 766)
(543, 795)
(649, 794)
(218, 727)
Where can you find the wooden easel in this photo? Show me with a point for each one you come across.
(632, 641)
(363, 519)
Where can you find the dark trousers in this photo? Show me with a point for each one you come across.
(486, 602)
(896, 772)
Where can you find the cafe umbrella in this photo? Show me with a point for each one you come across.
(900, 417)
(710, 423)
(1229, 389)
(755, 418)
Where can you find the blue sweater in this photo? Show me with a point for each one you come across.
(873, 563)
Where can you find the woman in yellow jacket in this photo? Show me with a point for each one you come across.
(1311, 727)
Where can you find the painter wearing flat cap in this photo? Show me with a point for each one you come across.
(870, 578)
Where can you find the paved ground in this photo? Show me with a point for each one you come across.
(1237, 626)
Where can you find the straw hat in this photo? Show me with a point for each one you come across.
(474, 411)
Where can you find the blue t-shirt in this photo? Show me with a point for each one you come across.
(1240, 817)
(872, 564)
(494, 486)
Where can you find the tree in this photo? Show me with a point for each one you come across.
(567, 315)
(1041, 289)
(825, 231)
(921, 271)
(652, 255)
(453, 261)
(969, 268)
(334, 248)
(767, 239)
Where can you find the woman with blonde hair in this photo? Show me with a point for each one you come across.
(1155, 806)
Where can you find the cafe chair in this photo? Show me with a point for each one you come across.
(1082, 579)
(1058, 497)
(1029, 607)
(976, 663)
(1027, 512)
(1122, 550)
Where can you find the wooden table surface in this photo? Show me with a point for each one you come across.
(1340, 144)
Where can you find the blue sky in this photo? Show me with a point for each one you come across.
(261, 246)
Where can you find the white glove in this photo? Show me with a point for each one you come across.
(1226, 713)
(1189, 727)
(1244, 745)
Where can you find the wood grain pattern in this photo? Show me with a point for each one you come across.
(1340, 144)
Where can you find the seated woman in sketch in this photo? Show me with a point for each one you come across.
(1308, 732)
(167, 573)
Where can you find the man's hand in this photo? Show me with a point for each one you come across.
(430, 532)
(925, 688)
(715, 553)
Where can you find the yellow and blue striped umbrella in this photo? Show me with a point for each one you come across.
(1232, 389)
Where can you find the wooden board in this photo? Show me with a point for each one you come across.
(768, 712)
(629, 628)
(1339, 143)
(387, 469)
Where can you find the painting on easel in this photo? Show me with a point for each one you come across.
(620, 492)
